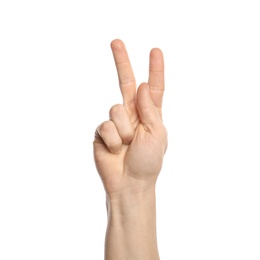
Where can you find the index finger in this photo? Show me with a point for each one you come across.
(125, 73)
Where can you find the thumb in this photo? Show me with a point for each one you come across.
(146, 109)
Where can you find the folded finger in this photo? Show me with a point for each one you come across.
(118, 114)
(108, 133)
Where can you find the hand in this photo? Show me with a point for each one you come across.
(129, 148)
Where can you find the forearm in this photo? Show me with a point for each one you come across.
(131, 230)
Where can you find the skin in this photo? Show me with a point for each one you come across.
(128, 152)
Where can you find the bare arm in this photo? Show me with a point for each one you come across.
(128, 152)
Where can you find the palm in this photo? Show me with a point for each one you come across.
(140, 160)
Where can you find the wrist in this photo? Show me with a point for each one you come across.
(136, 192)
(132, 220)
(131, 204)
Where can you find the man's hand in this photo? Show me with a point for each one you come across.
(129, 147)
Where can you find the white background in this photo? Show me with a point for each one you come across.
(57, 83)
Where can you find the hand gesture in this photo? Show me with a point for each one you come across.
(130, 146)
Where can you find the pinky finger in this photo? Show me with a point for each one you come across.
(108, 133)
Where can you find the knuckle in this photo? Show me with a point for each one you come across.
(114, 145)
(106, 127)
(116, 109)
(127, 81)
